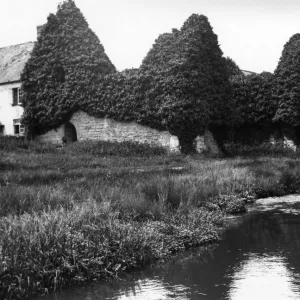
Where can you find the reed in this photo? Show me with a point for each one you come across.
(79, 213)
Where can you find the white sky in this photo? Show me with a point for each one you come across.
(251, 32)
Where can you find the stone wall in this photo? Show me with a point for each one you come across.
(207, 143)
(289, 143)
(104, 129)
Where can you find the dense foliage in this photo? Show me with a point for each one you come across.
(254, 99)
(232, 68)
(182, 85)
(65, 63)
(287, 85)
(256, 107)
(196, 89)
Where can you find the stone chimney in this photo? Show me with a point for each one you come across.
(39, 29)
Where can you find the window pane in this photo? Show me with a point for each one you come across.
(15, 96)
(19, 96)
(17, 129)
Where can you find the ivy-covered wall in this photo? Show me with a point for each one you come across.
(182, 85)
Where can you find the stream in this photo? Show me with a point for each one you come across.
(258, 258)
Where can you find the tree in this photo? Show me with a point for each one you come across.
(254, 99)
(287, 87)
(66, 63)
(255, 104)
(196, 92)
(232, 68)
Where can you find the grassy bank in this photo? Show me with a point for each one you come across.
(91, 210)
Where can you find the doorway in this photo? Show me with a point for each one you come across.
(70, 133)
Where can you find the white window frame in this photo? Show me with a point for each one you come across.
(19, 96)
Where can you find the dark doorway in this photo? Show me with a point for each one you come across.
(70, 133)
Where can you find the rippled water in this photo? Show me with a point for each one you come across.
(258, 258)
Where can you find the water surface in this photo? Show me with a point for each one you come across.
(257, 258)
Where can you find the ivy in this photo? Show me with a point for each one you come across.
(287, 86)
(253, 95)
(182, 85)
(66, 61)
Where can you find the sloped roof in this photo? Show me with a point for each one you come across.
(12, 61)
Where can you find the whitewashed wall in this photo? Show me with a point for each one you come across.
(8, 112)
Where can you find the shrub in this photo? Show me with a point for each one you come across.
(290, 180)
(231, 204)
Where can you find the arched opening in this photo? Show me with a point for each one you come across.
(70, 133)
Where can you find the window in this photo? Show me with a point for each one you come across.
(17, 96)
(1, 129)
(19, 129)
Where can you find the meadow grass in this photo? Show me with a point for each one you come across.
(91, 210)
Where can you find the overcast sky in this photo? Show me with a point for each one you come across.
(251, 32)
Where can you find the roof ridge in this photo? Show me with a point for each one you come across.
(31, 42)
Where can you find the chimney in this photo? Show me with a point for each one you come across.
(39, 30)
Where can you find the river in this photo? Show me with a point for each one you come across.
(258, 258)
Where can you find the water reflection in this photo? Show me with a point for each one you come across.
(258, 258)
(263, 278)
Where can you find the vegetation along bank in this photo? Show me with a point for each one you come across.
(91, 210)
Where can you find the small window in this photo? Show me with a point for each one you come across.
(17, 96)
(19, 128)
(1, 129)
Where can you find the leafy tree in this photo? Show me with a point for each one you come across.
(196, 92)
(256, 106)
(287, 87)
(254, 99)
(232, 68)
(66, 62)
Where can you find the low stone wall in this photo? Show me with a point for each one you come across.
(284, 141)
(289, 143)
(104, 129)
(207, 143)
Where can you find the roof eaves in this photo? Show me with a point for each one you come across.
(10, 82)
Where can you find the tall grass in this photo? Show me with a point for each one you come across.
(69, 215)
